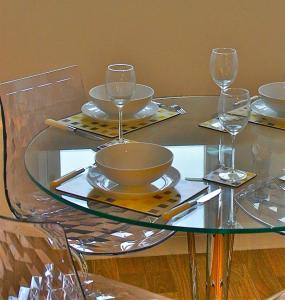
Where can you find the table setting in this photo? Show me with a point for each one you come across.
(130, 105)
(99, 116)
(139, 173)
(266, 108)
(149, 184)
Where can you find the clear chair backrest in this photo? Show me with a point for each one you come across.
(35, 262)
(26, 103)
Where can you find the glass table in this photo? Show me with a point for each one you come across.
(197, 151)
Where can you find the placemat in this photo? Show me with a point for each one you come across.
(253, 118)
(214, 177)
(262, 120)
(213, 124)
(108, 129)
(154, 205)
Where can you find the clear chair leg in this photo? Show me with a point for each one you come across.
(80, 260)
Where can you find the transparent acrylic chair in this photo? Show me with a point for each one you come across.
(278, 296)
(26, 103)
(35, 263)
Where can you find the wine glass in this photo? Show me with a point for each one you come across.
(229, 100)
(223, 66)
(120, 86)
(223, 70)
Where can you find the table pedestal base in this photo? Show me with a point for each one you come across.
(218, 265)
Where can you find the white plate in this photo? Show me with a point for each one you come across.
(89, 109)
(105, 185)
(259, 107)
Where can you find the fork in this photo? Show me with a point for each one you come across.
(173, 107)
(178, 109)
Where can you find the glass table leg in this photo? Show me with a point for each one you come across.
(218, 265)
(193, 265)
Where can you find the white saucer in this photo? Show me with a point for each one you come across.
(90, 110)
(259, 107)
(105, 185)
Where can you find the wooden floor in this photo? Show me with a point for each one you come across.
(256, 274)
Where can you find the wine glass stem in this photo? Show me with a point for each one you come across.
(224, 87)
(233, 152)
(221, 154)
(120, 110)
(232, 217)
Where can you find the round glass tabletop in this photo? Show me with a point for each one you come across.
(256, 206)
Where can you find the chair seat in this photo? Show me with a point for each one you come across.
(35, 263)
(92, 235)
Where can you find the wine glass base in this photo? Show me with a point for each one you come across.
(118, 141)
(121, 141)
(233, 175)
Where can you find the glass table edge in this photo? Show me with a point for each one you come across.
(158, 225)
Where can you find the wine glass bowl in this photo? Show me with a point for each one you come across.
(120, 86)
(233, 122)
(120, 83)
(223, 66)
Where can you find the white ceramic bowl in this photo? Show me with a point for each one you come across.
(274, 95)
(141, 98)
(134, 164)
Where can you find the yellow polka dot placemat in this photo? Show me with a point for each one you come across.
(109, 129)
(213, 124)
(154, 205)
(253, 118)
(214, 177)
(262, 120)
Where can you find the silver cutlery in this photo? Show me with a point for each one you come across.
(173, 107)
(178, 109)
(81, 132)
(184, 206)
(193, 178)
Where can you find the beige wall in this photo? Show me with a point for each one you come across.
(168, 41)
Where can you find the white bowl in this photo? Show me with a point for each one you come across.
(141, 98)
(274, 95)
(134, 164)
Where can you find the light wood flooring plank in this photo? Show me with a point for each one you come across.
(255, 275)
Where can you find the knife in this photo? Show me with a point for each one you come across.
(59, 125)
(184, 206)
(55, 183)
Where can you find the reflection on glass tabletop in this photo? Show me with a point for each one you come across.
(197, 151)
